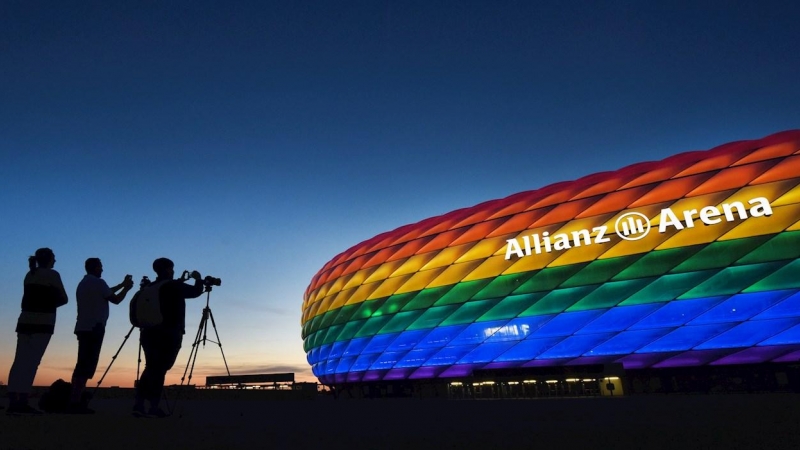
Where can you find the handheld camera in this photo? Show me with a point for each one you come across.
(208, 281)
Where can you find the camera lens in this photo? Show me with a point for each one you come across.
(211, 281)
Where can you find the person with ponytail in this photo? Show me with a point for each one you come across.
(43, 294)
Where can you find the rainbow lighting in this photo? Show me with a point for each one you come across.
(688, 261)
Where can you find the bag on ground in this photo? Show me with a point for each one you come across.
(56, 399)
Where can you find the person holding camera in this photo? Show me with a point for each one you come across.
(93, 296)
(43, 294)
(162, 342)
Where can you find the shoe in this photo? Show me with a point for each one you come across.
(23, 409)
(78, 408)
(157, 413)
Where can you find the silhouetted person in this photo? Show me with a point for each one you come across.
(93, 296)
(43, 293)
(161, 343)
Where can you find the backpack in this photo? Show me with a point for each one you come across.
(145, 307)
(56, 399)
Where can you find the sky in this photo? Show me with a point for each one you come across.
(255, 141)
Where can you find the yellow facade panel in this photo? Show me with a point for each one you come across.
(490, 267)
(414, 264)
(385, 270)
(323, 306)
(782, 217)
(698, 234)
(528, 263)
(447, 256)
(338, 284)
(319, 294)
(622, 247)
(358, 278)
(789, 198)
(362, 293)
(486, 248)
(388, 287)
(341, 298)
(311, 312)
(771, 191)
(582, 253)
(419, 280)
(454, 274)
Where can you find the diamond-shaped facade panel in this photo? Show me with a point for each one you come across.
(692, 260)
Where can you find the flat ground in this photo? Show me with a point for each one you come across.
(746, 421)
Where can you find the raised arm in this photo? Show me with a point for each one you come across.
(117, 297)
(189, 291)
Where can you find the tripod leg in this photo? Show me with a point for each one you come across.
(206, 313)
(138, 364)
(190, 363)
(193, 352)
(219, 342)
(113, 358)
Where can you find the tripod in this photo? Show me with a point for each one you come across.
(114, 358)
(138, 368)
(201, 336)
(144, 283)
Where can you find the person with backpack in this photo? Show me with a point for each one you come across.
(159, 310)
(93, 296)
(43, 293)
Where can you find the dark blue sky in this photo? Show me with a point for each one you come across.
(255, 141)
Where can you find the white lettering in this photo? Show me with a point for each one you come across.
(577, 235)
(728, 208)
(668, 218)
(601, 231)
(762, 209)
(561, 242)
(527, 241)
(687, 215)
(708, 215)
(513, 247)
(547, 244)
(537, 243)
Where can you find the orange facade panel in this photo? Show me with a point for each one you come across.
(731, 178)
(519, 222)
(671, 190)
(614, 201)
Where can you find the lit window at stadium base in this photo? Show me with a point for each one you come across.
(697, 264)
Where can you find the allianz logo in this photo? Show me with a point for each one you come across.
(633, 226)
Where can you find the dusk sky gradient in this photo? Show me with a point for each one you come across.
(255, 141)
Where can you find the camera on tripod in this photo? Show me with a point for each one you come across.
(208, 281)
(211, 281)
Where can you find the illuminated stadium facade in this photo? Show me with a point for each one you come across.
(689, 262)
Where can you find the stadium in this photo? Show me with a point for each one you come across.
(666, 276)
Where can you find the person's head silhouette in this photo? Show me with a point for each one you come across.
(164, 268)
(44, 257)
